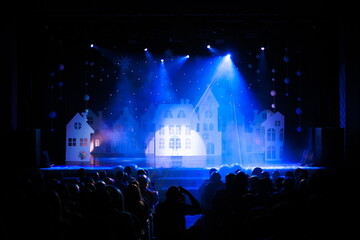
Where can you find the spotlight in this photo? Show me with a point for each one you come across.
(228, 55)
(208, 46)
(91, 45)
(187, 56)
(145, 49)
(162, 60)
(262, 48)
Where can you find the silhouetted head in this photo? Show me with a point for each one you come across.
(215, 177)
(144, 182)
(174, 193)
(212, 170)
(116, 197)
(256, 171)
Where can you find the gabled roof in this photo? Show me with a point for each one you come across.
(273, 117)
(208, 98)
(258, 117)
(84, 125)
(161, 110)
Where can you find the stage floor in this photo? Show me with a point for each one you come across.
(107, 163)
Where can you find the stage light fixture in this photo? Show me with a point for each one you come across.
(208, 46)
(91, 45)
(145, 49)
(262, 48)
(187, 56)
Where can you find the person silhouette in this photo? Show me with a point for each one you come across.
(169, 217)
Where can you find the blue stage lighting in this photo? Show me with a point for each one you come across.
(91, 45)
(208, 46)
(145, 49)
(187, 56)
(262, 48)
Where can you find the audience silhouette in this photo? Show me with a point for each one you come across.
(292, 204)
(169, 218)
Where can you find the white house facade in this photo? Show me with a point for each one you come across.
(182, 129)
(177, 131)
(265, 142)
(78, 139)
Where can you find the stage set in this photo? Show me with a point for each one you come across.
(181, 94)
(184, 107)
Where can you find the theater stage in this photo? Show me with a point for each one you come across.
(164, 172)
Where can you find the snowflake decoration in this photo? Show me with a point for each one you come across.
(125, 62)
(168, 53)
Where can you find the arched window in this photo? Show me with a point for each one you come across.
(271, 134)
(281, 137)
(168, 114)
(210, 148)
(178, 130)
(181, 114)
(187, 129)
(171, 129)
(175, 143)
(271, 152)
(77, 125)
(161, 129)
(161, 143)
(188, 143)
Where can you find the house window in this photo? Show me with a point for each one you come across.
(161, 129)
(83, 142)
(210, 148)
(188, 130)
(281, 137)
(168, 114)
(208, 114)
(77, 125)
(277, 123)
(178, 130)
(174, 143)
(97, 143)
(181, 114)
(211, 127)
(198, 127)
(205, 127)
(271, 152)
(71, 141)
(188, 143)
(270, 134)
(161, 143)
(171, 129)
